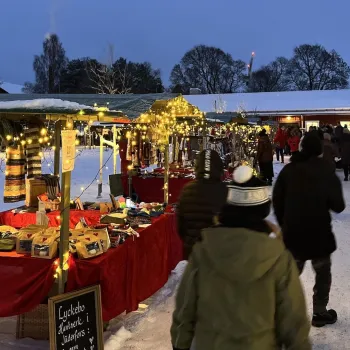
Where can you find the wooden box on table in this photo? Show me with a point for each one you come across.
(34, 188)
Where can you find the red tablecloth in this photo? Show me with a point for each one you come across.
(175, 170)
(92, 217)
(128, 274)
(24, 282)
(151, 189)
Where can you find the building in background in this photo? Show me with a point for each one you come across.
(302, 108)
(8, 88)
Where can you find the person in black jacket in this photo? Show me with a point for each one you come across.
(201, 200)
(345, 153)
(306, 190)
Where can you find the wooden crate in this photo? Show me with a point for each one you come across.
(34, 188)
(34, 324)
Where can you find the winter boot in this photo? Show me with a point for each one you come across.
(328, 317)
(346, 179)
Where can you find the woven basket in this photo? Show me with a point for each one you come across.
(34, 324)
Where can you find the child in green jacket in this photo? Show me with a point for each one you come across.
(241, 288)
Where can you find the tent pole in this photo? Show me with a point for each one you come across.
(64, 230)
(115, 150)
(99, 194)
(57, 145)
(166, 173)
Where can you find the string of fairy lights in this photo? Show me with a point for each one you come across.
(171, 118)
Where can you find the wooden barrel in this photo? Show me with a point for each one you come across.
(15, 189)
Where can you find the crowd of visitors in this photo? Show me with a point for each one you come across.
(241, 288)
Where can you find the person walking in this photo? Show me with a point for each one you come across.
(265, 157)
(294, 140)
(345, 152)
(338, 131)
(288, 136)
(201, 200)
(241, 288)
(306, 190)
(280, 141)
(330, 151)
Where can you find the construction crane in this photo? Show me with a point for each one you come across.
(250, 70)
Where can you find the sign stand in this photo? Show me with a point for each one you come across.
(76, 320)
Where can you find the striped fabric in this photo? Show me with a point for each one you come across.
(52, 185)
(32, 152)
(15, 189)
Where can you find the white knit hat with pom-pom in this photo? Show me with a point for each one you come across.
(246, 189)
(242, 174)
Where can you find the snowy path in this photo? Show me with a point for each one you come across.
(148, 329)
(153, 332)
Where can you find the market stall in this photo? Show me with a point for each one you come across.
(128, 274)
(129, 252)
(170, 134)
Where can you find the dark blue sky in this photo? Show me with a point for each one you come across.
(161, 31)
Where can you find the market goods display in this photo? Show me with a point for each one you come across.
(26, 236)
(85, 242)
(7, 238)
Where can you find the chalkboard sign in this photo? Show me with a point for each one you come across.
(76, 320)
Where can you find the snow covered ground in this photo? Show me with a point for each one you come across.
(148, 328)
(85, 176)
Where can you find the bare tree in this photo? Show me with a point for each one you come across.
(106, 77)
(209, 69)
(272, 77)
(314, 68)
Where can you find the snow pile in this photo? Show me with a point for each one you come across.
(116, 341)
(43, 103)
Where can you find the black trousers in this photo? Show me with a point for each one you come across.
(279, 152)
(323, 282)
(346, 170)
(266, 171)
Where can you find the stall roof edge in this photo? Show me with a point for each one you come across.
(131, 105)
(276, 103)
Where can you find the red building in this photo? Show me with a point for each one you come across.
(304, 108)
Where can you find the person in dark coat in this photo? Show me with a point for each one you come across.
(330, 151)
(265, 157)
(306, 190)
(241, 288)
(345, 152)
(201, 200)
(338, 132)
